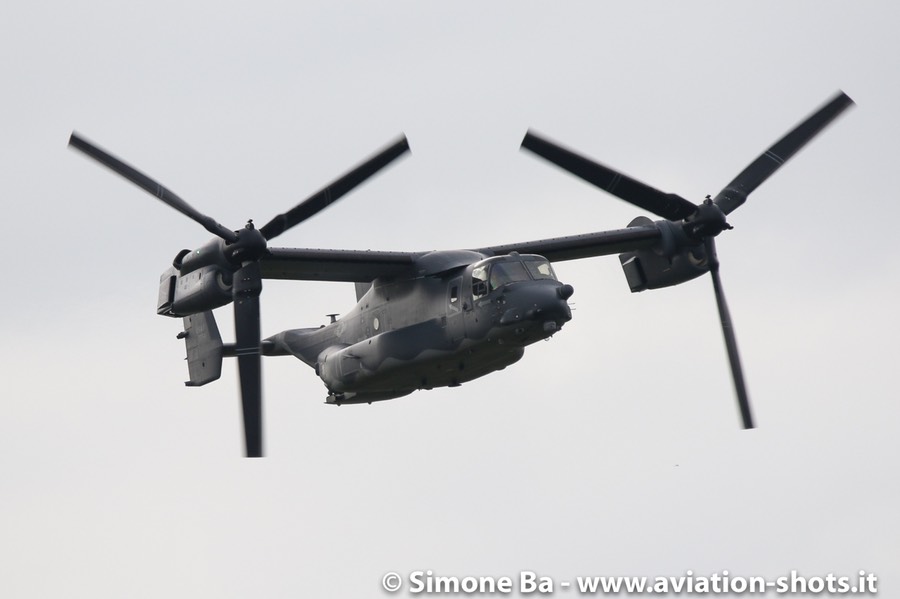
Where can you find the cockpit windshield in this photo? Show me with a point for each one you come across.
(492, 275)
(540, 269)
(507, 272)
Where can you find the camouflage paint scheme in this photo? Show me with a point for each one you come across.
(433, 319)
(432, 331)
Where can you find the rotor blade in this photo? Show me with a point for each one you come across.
(246, 290)
(736, 192)
(737, 372)
(150, 186)
(335, 190)
(666, 205)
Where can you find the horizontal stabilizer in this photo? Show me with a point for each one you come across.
(204, 348)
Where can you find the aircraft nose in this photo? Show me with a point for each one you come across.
(553, 307)
(541, 303)
(565, 291)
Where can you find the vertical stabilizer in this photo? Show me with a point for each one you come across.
(204, 348)
(361, 289)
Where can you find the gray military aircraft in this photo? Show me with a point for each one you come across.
(440, 318)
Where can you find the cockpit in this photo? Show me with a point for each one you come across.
(494, 273)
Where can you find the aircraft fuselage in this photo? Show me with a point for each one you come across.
(436, 330)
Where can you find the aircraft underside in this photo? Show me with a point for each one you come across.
(432, 368)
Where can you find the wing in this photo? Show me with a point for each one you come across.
(362, 266)
(353, 266)
(588, 245)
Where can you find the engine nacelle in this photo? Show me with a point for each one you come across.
(199, 280)
(674, 260)
(197, 291)
(209, 254)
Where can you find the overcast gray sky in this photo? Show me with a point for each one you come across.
(614, 448)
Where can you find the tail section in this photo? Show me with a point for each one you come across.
(305, 344)
(362, 289)
(204, 348)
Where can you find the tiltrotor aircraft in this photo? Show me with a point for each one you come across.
(439, 318)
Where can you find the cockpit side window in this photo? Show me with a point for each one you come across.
(479, 282)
